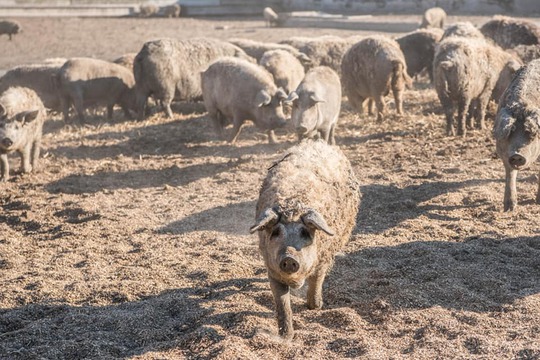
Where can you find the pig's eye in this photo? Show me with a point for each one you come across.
(275, 232)
(304, 233)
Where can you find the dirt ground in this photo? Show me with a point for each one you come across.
(132, 242)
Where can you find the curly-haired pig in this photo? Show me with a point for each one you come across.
(21, 122)
(517, 128)
(316, 104)
(235, 90)
(305, 213)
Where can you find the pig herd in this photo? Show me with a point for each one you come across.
(308, 202)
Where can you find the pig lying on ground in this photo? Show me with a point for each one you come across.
(235, 90)
(21, 122)
(316, 104)
(305, 213)
(517, 128)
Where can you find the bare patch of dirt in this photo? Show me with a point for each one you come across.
(132, 239)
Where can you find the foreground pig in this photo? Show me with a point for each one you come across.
(305, 213)
(235, 90)
(316, 104)
(21, 122)
(517, 128)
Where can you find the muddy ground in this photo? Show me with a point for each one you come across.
(132, 240)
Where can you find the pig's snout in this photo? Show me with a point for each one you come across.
(289, 265)
(6, 142)
(517, 160)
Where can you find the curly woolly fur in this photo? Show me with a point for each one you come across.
(371, 69)
(520, 102)
(170, 69)
(508, 32)
(314, 175)
(287, 71)
(256, 49)
(38, 77)
(467, 70)
(18, 99)
(25, 138)
(418, 47)
(244, 103)
(462, 29)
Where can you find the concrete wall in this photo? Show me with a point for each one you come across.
(523, 7)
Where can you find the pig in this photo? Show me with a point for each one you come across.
(316, 104)
(235, 90)
(21, 125)
(433, 18)
(371, 69)
(517, 128)
(287, 71)
(84, 82)
(305, 213)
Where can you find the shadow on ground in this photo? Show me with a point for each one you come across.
(481, 275)
(179, 319)
(386, 206)
(232, 218)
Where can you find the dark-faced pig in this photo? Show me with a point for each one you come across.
(517, 128)
(21, 122)
(305, 213)
(235, 90)
(316, 104)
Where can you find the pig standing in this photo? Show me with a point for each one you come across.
(21, 122)
(305, 213)
(371, 69)
(517, 128)
(316, 104)
(466, 74)
(84, 82)
(235, 90)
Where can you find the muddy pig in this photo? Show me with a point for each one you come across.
(21, 121)
(316, 104)
(305, 213)
(517, 128)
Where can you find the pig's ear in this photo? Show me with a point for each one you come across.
(27, 116)
(316, 98)
(268, 217)
(312, 219)
(263, 98)
(291, 98)
(504, 124)
(281, 94)
(304, 59)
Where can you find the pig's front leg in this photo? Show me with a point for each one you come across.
(282, 299)
(510, 192)
(315, 283)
